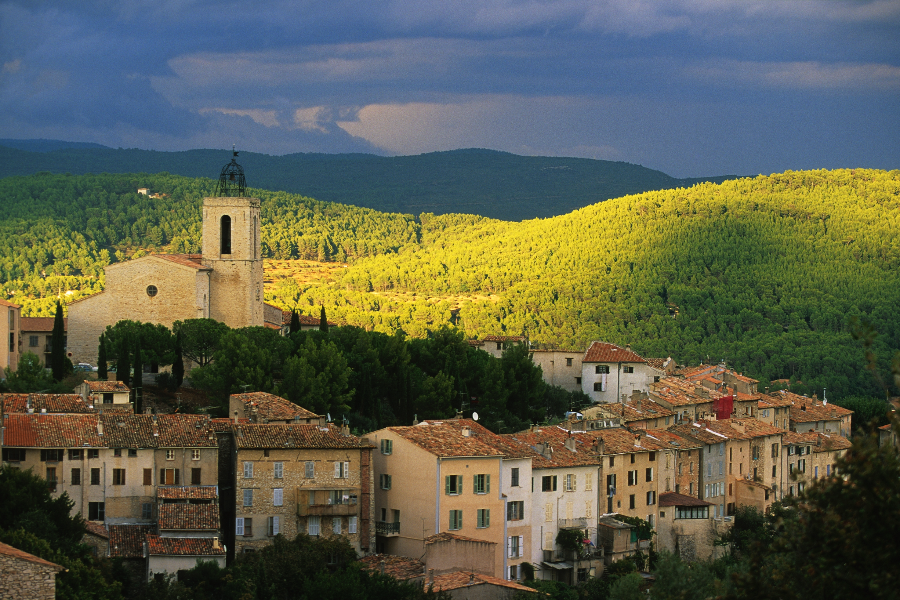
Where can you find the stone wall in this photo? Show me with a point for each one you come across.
(25, 580)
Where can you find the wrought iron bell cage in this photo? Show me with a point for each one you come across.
(231, 179)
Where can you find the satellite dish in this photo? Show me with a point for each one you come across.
(328, 417)
(474, 416)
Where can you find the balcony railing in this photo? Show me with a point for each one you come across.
(579, 523)
(334, 510)
(385, 529)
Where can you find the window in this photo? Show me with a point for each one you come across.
(248, 527)
(632, 477)
(195, 476)
(341, 470)
(266, 452)
(170, 455)
(453, 485)
(146, 510)
(96, 511)
(309, 469)
(482, 483)
(117, 452)
(108, 399)
(612, 461)
(827, 470)
(148, 476)
(801, 465)
(170, 477)
(51, 455)
(515, 476)
(278, 470)
(774, 450)
(278, 497)
(548, 512)
(816, 472)
(692, 512)
(515, 546)
(570, 482)
(225, 235)
(598, 386)
(152, 291)
(93, 453)
(632, 458)
(351, 525)
(51, 478)
(13, 454)
(248, 497)
(568, 361)
(76, 454)
(387, 446)
(195, 454)
(627, 369)
(95, 476)
(483, 518)
(601, 369)
(272, 527)
(513, 573)
(774, 470)
(33, 341)
(588, 483)
(336, 525)
(132, 452)
(385, 481)
(651, 498)
(578, 381)
(649, 474)
(76, 476)
(455, 519)
(515, 510)
(118, 476)
(800, 488)
(248, 470)
(631, 501)
(548, 483)
(755, 452)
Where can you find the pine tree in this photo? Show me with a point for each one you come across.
(123, 363)
(138, 379)
(101, 359)
(295, 321)
(323, 322)
(178, 365)
(58, 345)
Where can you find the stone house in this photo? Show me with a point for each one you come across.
(24, 575)
(96, 536)
(104, 392)
(711, 463)
(260, 407)
(471, 585)
(561, 368)
(685, 477)
(638, 412)
(609, 371)
(688, 400)
(300, 478)
(806, 457)
(811, 415)
(224, 283)
(775, 410)
(440, 477)
(36, 334)
(496, 344)
(45, 403)
(686, 527)
(616, 538)
(10, 329)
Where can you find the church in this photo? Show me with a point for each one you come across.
(224, 283)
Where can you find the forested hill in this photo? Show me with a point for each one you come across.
(767, 273)
(492, 184)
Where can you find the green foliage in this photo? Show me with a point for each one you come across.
(155, 341)
(178, 364)
(316, 376)
(200, 338)
(676, 579)
(138, 379)
(642, 528)
(571, 539)
(627, 587)
(551, 590)
(29, 376)
(868, 413)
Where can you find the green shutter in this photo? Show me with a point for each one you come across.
(459, 480)
(474, 484)
(487, 484)
(447, 484)
(487, 514)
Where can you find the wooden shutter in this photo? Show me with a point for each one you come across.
(521, 546)
(346, 468)
(239, 526)
(148, 476)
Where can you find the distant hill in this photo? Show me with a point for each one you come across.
(493, 184)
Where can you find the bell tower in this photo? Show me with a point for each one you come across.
(232, 249)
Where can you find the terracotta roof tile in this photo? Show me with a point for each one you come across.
(199, 492)
(440, 538)
(273, 408)
(95, 528)
(185, 431)
(462, 579)
(610, 353)
(185, 260)
(40, 324)
(632, 410)
(808, 410)
(448, 438)
(107, 386)
(12, 552)
(167, 546)
(51, 403)
(552, 439)
(622, 440)
(127, 541)
(51, 431)
(398, 567)
(277, 435)
(11, 305)
(193, 517)
(675, 499)
(503, 338)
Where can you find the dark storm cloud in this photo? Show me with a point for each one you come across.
(692, 87)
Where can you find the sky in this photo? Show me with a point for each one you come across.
(693, 88)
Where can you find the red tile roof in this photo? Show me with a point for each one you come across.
(107, 386)
(39, 324)
(553, 439)
(278, 435)
(448, 438)
(185, 431)
(95, 528)
(51, 403)
(10, 551)
(610, 353)
(273, 408)
(675, 499)
(185, 260)
(398, 567)
(193, 517)
(808, 410)
(462, 579)
(439, 538)
(127, 541)
(9, 304)
(167, 546)
(632, 410)
(621, 440)
(503, 338)
(51, 431)
(200, 492)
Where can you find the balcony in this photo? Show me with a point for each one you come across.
(385, 529)
(579, 523)
(332, 510)
(327, 502)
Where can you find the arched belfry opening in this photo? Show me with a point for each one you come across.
(225, 235)
(231, 179)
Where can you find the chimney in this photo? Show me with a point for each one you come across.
(627, 347)
(471, 578)
(216, 545)
(570, 443)
(111, 376)
(345, 430)
(44, 411)
(459, 415)
(381, 566)
(235, 417)
(739, 425)
(815, 399)
(99, 427)
(637, 440)
(430, 577)
(466, 431)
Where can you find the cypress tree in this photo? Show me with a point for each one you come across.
(138, 379)
(178, 365)
(123, 363)
(323, 322)
(101, 359)
(295, 321)
(58, 345)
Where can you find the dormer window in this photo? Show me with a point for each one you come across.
(225, 235)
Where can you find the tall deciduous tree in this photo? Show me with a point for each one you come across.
(58, 345)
